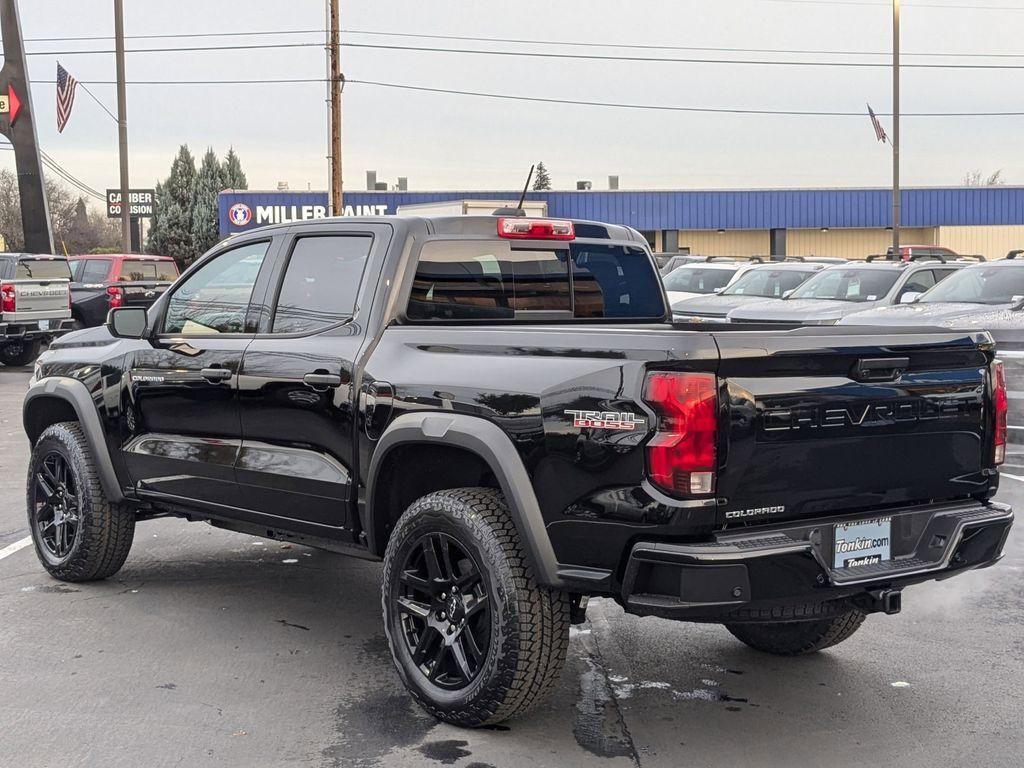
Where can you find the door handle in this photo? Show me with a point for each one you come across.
(215, 375)
(321, 381)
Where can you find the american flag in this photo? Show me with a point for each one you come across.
(879, 130)
(65, 96)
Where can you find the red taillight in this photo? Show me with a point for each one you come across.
(1002, 405)
(115, 296)
(536, 229)
(681, 455)
(8, 298)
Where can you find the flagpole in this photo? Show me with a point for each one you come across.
(895, 141)
(122, 128)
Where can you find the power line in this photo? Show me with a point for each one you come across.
(69, 177)
(250, 81)
(526, 41)
(552, 100)
(905, 5)
(179, 49)
(654, 47)
(178, 35)
(543, 55)
(686, 60)
(66, 175)
(673, 108)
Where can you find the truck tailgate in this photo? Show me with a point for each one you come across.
(38, 299)
(821, 422)
(141, 293)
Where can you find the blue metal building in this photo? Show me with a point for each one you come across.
(926, 211)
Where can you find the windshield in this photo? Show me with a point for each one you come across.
(979, 285)
(769, 283)
(838, 284)
(699, 279)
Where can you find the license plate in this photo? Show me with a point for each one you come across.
(44, 325)
(866, 542)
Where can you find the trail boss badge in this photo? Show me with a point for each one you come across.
(605, 420)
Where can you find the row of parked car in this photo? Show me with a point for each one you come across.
(45, 296)
(917, 289)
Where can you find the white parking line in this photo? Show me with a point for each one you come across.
(1018, 478)
(10, 549)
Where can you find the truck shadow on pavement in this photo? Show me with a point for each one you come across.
(282, 648)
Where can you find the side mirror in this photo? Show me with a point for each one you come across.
(127, 322)
(910, 297)
(788, 293)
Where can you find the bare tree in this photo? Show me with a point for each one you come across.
(75, 228)
(976, 179)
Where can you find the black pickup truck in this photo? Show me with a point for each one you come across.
(499, 408)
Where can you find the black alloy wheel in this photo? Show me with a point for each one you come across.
(55, 505)
(444, 614)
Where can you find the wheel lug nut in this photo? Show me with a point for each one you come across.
(444, 595)
(441, 615)
(450, 630)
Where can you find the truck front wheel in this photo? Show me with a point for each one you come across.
(79, 534)
(794, 638)
(475, 639)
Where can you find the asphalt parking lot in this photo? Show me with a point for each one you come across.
(213, 648)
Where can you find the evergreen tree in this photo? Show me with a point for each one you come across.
(205, 224)
(541, 179)
(155, 238)
(180, 188)
(232, 175)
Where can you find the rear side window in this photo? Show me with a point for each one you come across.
(490, 280)
(43, 269)
(615, 281)
(92, 270)
(137, 270)
(320, 283)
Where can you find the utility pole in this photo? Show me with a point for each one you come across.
(896, 129)
(122, 127)
(335, 82)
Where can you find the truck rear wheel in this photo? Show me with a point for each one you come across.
(475, 639)
(21, 352)
(78, 534)
(794, 638)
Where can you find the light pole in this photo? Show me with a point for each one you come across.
(895, 129)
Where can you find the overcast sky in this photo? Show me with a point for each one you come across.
(461, 142)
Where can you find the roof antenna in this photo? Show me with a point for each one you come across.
(518, 210)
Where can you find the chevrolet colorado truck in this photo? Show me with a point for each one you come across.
(500, 409)
(35, 304)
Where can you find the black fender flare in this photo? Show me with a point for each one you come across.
(488, 441)
(75, 393)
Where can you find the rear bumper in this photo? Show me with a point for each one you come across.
(756, 574)
(17, 331)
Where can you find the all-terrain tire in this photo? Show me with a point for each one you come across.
(105, 530)
(795, 638)
(529, 624)
(20, 352)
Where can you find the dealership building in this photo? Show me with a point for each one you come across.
(851, 223)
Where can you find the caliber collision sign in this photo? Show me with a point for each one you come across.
(140, 203)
